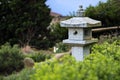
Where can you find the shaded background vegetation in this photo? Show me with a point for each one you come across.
(24, 22)
(108, 12)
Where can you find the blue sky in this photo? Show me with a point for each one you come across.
(65, 7)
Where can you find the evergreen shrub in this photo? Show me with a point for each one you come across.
(61, 47)
(23, 75)
(38, 56)
(11, 59)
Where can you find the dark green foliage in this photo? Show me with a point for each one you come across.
(43, 44)
(39, 57)
(62, 47)
(11, 59)
(58, 33)
(107, 12)
(1, 78)
(22, 75)
(23, 20)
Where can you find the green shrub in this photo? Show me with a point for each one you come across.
(94, 67)
(22, 75)
(41, 44)
(108, 49)
(58, 33)
(2, 78)
(102, 64)
(61, 47)
(109, 39)
(38, 56)
(10, 59)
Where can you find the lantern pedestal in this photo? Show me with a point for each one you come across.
(80, 52)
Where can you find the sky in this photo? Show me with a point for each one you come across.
(65, 7)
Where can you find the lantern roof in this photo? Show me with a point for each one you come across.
(82, 22)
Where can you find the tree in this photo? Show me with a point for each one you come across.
(107, 12)
(21, 21)
(58, 33)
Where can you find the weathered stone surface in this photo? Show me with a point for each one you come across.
(28, 62)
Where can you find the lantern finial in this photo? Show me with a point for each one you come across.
(80, 12)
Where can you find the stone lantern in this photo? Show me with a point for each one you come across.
(80, 34)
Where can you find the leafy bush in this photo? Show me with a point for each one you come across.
(41, 44)
(58, 33)
(61, 47)
(10, 59)
(102, 64)
(22, 75)
(109, 39)
(38, 56)
(108, 49)
(2, 78)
